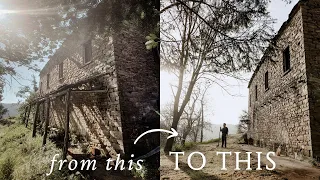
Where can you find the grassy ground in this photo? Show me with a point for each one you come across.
(286, 168)
(23, 157)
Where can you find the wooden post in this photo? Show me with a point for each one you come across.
(35, 120)
(27, 120)
(25, 115)
(42, 114)
(66, 128)
(46, 122)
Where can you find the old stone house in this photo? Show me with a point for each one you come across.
(284, 91)
(113, 82)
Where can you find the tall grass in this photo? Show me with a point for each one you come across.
(6, 169)
(23, 157)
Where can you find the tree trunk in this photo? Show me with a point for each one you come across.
(183, 142)
(201, 138)
(170, 141)
(196, 133)
(184, 136)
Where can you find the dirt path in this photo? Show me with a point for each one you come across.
(286, 168)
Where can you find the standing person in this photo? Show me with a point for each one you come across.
(224, 132)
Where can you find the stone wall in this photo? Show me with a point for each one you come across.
(138, 81)
(280, 114)
(129, 71)
(94, 116)
(138, 75)
(131, 74)
(74, 69)
(311, 26)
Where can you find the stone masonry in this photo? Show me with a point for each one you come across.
(284, 90)
(95, 116)
(119, 62)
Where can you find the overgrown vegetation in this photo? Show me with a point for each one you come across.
(6, 169)
(23, 157)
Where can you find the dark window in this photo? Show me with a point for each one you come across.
(48, 81)
(266, 81)
(286, 60)
(256, 92)
(87, 51)
(61, 70)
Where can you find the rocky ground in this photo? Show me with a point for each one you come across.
(286, 168)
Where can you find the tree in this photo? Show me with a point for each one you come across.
(27, 91)
(192, 121)
(200, 91)
(204, 40)
(165, 121)
(31, 31)
(191, 116)
(243, 122)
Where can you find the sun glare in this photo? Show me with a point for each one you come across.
(2, 12)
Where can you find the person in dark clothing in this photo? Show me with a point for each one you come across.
(224, 132)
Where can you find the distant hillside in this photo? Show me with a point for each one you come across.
(12, 109)
(214, 131)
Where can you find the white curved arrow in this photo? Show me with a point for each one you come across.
(173, 133)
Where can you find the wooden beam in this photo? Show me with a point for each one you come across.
(66, 128)
(46, 122)
(90, 91)
(27, 120)
(35, 120)
(58, 94)
(62, 90)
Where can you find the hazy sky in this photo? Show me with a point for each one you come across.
(13, 84)
(223, 107)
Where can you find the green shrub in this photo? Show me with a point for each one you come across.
(138, 173)
(177, 148)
